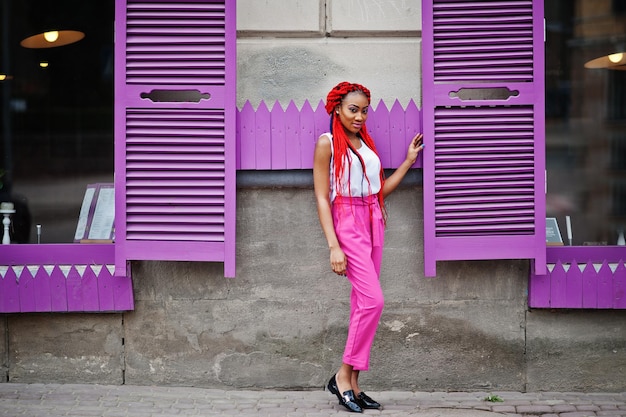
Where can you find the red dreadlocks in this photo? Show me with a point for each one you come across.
(341, 143)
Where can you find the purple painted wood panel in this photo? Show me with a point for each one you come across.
(74, 290)
(558, 285)
(58, 290)
(27, 285)
(293, 132)
(619, 286)
(10, 292)
(574, 286)
(378, 125)
(106, 299)
(604, 286)
(589, 277)
(589, 287)
(63, 278)
(263, 136)
(43, 296)
(278, 137)
(246, 129)
(307, 134)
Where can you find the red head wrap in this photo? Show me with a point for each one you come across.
(336, 95)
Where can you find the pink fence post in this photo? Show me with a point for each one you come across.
(378, 127)
(590, 286)
(279, 146)
(246, 147)
(292, 136)
(307, 135)
(263, 138)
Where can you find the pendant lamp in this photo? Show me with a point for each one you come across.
(52, 39)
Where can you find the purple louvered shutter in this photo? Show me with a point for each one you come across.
(175, 111)
(483, 116)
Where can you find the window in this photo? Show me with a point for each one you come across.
(586, 118)
(57, 114)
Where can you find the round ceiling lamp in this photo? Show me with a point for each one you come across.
(615, 61)
(52, 39)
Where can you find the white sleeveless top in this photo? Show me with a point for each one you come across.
(354, 181)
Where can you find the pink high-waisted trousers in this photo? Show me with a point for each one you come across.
(360, 229)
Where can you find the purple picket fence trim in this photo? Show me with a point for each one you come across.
(33, 280)
(292, 137)
(307, 134)
(589, 277)
(284, 138)
(26, 283)
(43, 299)
(74, 291)
(10, 293)
(263, 138)
(58, 290)
(278, 137)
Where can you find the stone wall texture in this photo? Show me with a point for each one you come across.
(282, 322)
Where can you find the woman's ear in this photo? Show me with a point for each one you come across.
(337, 109)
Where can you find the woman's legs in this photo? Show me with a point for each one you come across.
(360, 230)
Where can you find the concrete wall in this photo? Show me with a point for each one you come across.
(282, 322)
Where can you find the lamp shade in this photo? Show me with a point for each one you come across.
(52, 39)
(614, 61)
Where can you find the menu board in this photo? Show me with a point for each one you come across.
(553, 234)
(96, 221)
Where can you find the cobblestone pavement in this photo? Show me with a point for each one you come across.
(52, 400)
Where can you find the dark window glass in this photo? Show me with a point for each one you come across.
(57, 120)
(586, 118)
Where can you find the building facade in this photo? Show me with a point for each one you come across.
(280, 323)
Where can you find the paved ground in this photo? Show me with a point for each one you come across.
(53, 400)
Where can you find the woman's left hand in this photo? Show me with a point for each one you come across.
(415, 147)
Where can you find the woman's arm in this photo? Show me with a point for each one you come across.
(392, 182)
(321, 184)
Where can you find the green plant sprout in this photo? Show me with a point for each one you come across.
(493, 398)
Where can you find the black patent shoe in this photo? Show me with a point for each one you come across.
(365, 401)
(346, 399)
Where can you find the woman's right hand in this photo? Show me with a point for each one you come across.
(338, 261)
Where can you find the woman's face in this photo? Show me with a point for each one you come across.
(353, 111)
